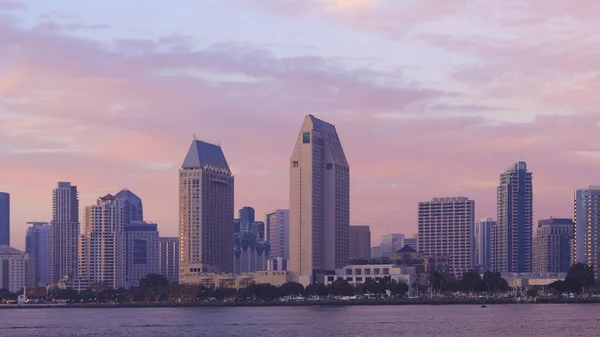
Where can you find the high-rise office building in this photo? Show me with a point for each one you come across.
(483, 237)
(102, 252)
(446, 227)
(278, 224)
(390, 243)
(169, 259)
(360, 242)
(552, 246)
(38, 241)
(251, 251)
(4, 219)
(12, 269)
(132, 206)
(142, 255)
(64, 232)
(247, 218)
(586, 242)
(206, 233)
(511, 239)
(319, 202)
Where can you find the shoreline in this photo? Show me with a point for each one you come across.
(469, 301)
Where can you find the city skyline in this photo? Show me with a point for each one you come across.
(468, 94)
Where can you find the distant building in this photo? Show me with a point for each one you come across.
(251, 252)
(4, 219)
(206, 189)
(64, 232)
(319, 202)
(390, 243)
(483, 237)
(102, 250)
(278, 229)
(412, 242)
(552, 246)
(38, 241)
(586, 243)
(133, 208)
(360, 242)
(358, 274)
(278, 263)
(12, 271)
(446, 227)
(511, 239)
(169, 259)
(141, 251)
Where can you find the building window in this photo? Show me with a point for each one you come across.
(306, 137)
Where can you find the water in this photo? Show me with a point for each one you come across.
(450, 320)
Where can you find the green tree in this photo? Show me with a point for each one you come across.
(471, 281)
(493, 282)
(558, 286)
(579, 278)
(397, 288)
(291, 289)
(532, 292)
(437, 282)
(342, 288)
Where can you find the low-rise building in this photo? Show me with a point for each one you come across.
(217, 280)
(274, 277)
(358, 274)
(524, 280)
(12, 269)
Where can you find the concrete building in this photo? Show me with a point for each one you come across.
(64, 232)
(247, 218)
(278, 229)
(251, 251)
(358, 274)
(412, 242)
(360, 242)
(483, 237)
(169, 259)
(319, 202)
(274, 277)
(38, 241)
(12, 269)
(206, 228)
(552, 246)
(141, 251)
(4, 219)
(446, 227)
(102, 251)
(511, 239)
(133, 208)
(390, 243)
(586, 243)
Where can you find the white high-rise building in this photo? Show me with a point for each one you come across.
(65, 232)
(102, 253)
(206, 233)
(278, 231)
(319, 202)
(446, 228)
(586, 241)
(12, 269)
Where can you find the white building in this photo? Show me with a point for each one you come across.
(319, 202)
(586, 241)
(446, 227)
(102, 250)
(358, 274)
(12, 269)
(169, 259)
(65, 232)
(206, 187)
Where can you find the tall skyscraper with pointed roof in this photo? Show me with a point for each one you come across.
(206, 212)
(319, 202)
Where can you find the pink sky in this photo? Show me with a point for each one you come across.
(430, 98)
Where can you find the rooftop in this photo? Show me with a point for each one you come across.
(206, 156)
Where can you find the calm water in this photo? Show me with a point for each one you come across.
(451, 320)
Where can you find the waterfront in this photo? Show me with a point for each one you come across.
(456, 320)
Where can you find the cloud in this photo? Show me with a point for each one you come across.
(9, 5)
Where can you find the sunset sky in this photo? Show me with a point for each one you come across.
(430, 98)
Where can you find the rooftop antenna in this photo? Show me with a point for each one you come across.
(195, 137)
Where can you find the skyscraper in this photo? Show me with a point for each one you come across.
(251, 251)
(511, 240)
(169, 259)
(247, 217)
(64, 232)
(360, 242)
(206, 212)
(38, 242)
(446, 228)
(552, 246)
(483, 237)
(141, 251)
(4, 219)
(319, 202)
(586, 243)
(102, 259)
(278, 225)
(132, 206)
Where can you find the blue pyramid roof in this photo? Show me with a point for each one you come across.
(206, 156)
